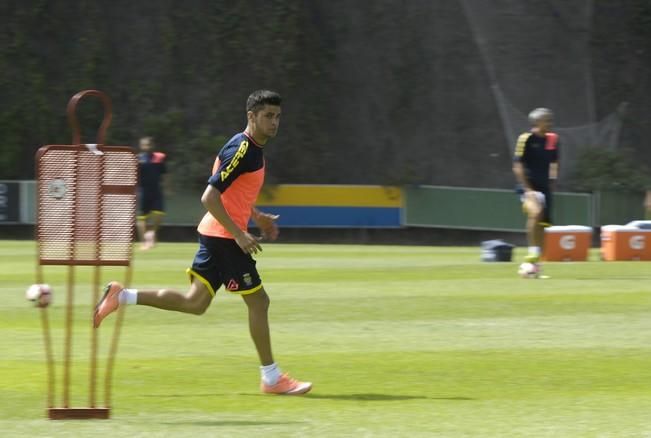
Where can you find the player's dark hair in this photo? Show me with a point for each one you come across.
(259, 98)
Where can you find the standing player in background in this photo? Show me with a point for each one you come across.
(225, 250)
(151, 171)
(536, 168)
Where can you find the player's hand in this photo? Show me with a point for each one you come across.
(266, 222)
(248, 243)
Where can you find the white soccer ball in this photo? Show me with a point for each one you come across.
(528, 270)
(40, 294)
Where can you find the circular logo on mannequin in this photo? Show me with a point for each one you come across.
(57, 188)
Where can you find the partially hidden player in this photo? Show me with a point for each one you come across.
(151, 167)
(224, 257)
(535, 167)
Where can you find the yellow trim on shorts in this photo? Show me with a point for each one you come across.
(545, 224)
(192, 273)
(246, 292)
(160, 212)
(142, 217)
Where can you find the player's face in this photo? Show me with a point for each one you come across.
(145, 145)
(544, 124)
(267, 120)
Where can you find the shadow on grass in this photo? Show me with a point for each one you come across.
(227, 423)
(381, 397)
(181, 395)
(368, 397)
(317, 396)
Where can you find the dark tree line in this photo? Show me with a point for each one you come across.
(387, 91)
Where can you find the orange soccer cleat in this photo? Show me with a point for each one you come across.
(286, 386)
(109, 302)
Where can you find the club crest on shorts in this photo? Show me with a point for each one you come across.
(232, 285)
(248, 281)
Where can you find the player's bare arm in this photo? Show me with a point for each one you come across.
(211, 199)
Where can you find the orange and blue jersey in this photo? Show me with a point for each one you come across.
(238, 174)
(151, 169)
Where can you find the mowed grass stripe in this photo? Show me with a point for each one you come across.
(400, 341)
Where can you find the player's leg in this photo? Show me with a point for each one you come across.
(545, 218)
(258, 306)
(141, 222)
(204, 281)
(141, 226)
(538, 236)
(156, 219)
(273, 381)
(240, 276)
(195, 301)
(534, 207)
(156, 216)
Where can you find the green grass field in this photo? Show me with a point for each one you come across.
(399, 341)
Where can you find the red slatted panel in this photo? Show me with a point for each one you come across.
(118, 206)
(86, 205)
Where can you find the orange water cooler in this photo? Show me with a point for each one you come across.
(625, 242)
(567, 243)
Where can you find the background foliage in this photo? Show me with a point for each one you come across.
(376, 92)
(601, 169)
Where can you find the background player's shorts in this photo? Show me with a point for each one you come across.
(151, 201)
(545, 201)
(220, 261)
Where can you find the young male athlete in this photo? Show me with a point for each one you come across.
(225, 246)
(535, 167)
(151, 166)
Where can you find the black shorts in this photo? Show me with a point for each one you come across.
(220, 261)
(151, 201)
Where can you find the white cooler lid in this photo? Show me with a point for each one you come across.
(568, 229)
(639, 224)
(627, 228)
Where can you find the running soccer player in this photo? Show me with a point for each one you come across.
(224, 257)
(535, 167)
(151, 169)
